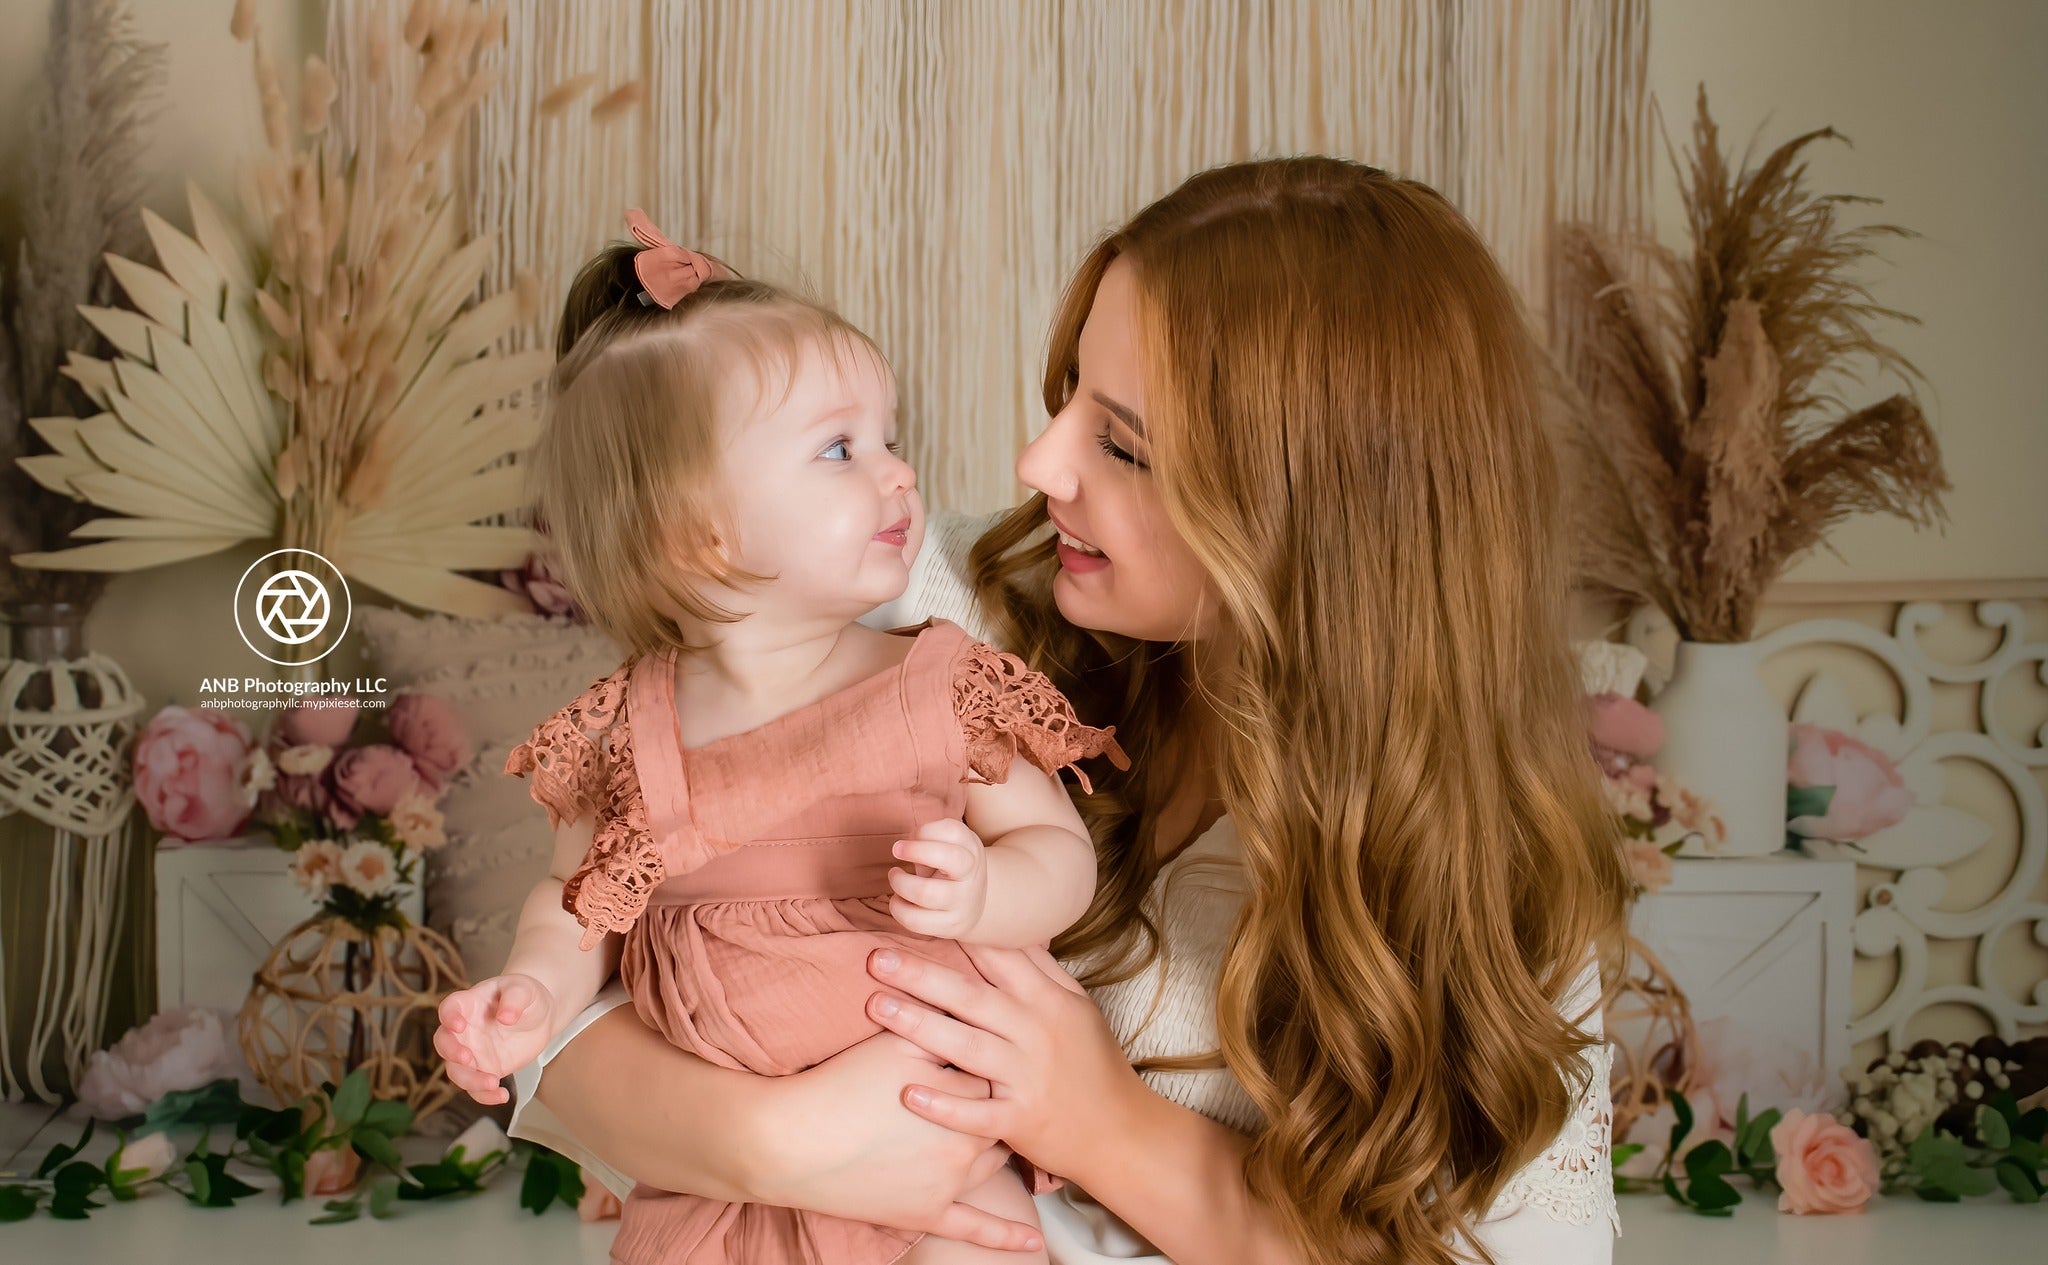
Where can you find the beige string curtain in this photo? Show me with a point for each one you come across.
(935, 168)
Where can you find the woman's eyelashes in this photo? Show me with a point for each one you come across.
(1109, 446)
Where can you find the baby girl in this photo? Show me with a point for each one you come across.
(766, 791)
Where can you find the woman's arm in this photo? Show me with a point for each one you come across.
(1067, 1099)
(834, 1139)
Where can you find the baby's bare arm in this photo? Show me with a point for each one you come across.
(545, 946)
(1041, 865)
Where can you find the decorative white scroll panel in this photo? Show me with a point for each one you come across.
(1914, 912)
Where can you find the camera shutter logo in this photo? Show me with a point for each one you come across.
(291, 607)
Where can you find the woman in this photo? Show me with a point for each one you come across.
(1295, 536)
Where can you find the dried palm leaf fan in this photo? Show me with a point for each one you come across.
(323, 380)
(1709, 445)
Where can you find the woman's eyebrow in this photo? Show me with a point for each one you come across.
(1125, 415)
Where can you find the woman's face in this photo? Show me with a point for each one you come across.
(1123, 567)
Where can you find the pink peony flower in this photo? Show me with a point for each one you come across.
(1621, 724)
(426, 728)
(178, 1049)
(188, 773)
(327, 724)
(1823, 1165)
(332, 1170)
(373, 779)
(598, 1203)
(1869, 793)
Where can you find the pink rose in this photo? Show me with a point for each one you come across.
(373, 779)
(178, 1049)
(1620, 724)
(1869, 793)
(598, 1202)
(426, 728)
(188, 769)
(310, 793)
(332, 1170)
(327, 725)
(1822, 1164)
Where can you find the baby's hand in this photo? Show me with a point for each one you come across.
(490, 1029)
(946, 888)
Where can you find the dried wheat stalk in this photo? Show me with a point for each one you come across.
(348, 403)
(1707, 440)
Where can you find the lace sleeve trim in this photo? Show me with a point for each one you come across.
(581, 760)
(1573, 1180)
(566, 754)
(1006, 709)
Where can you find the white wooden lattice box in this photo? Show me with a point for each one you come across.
(220, 907)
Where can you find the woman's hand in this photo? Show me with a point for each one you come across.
(840, 1143)
(1057, 1074)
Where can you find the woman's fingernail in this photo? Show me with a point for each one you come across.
(920, 1097)
(898, 849)
(887, 1007)
(886, 960)
(1033, 1243)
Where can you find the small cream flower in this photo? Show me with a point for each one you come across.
(417, 823)
(258, 775)
(317, 866)
(304, 761)
(367, 867)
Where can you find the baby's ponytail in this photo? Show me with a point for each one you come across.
(605, 288)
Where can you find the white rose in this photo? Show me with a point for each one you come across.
(152, 1154)
(304, 761)
(258, 776)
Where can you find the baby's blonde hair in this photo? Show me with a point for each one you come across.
(625, 473)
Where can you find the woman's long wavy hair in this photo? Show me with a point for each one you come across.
(1342, 406)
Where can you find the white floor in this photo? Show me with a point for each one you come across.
(491, 1229)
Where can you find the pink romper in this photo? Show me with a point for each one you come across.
(749, 878)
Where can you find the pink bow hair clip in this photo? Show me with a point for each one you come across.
(668, 273)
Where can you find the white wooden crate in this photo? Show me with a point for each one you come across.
(1765, 943)
(219, 908)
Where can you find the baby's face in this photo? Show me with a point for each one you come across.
(819, 498)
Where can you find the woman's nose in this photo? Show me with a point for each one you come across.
(1047, 463)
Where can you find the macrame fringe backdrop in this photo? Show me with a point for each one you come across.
(66, 728)
(935, 168)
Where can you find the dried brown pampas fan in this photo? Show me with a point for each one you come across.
(1706, 439)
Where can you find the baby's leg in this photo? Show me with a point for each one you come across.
(1002, 1194)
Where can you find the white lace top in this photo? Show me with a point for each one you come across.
(1557, 1210)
